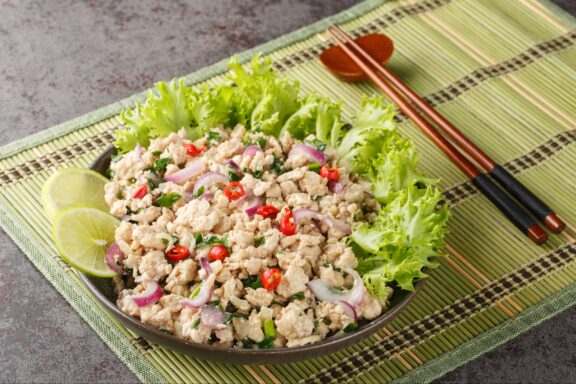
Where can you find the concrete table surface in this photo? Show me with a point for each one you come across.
(60, 59)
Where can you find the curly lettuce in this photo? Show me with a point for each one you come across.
(408, 230)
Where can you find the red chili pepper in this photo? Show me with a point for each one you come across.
(141, 192)
(192, 150)
(218, 252)
(271, 278)
(267, 211)
(329, 173)
(177, 253)
(234, 190)
(287, 225)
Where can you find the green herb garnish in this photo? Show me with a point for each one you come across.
(196, 324)
(252, 281)
(259, 240)
(214, 136)
(233, 176)
(297, 296)
(258, 173)
(156, 153)
(262, 142)
(351, 327)
(160, 166)
(277, 165)
(166, 200)
(318, 144)
(314, 167)
(233, 315)
(198, 193)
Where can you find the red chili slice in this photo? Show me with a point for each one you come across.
(267, 211)
(271, 278)
(177, 253)
(141, 192)
(329, 173)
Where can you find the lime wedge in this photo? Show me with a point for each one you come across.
(73, 187)
(82, 236)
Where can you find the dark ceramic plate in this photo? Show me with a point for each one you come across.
(103, 290)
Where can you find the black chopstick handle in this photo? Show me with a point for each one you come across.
(527, 198)
(510, 208)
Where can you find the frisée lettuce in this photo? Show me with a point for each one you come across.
(404, 237)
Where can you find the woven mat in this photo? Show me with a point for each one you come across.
(503, 72)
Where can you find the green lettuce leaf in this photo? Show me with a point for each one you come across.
(402, 240)
(317, 116)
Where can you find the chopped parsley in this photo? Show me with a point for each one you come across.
(262, 142)
(168, 331)
(258, 173)
(267, 343)
(196, 324)
(166, 200)
(156, 153)
(248, 343)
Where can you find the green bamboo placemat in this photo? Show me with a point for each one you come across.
(503, 72)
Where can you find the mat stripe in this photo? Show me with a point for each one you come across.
(445, 95)
(450, 315)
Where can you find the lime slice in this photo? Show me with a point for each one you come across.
(82, 236)
(73, 187)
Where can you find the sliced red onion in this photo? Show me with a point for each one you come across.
(251, 150)
(349, 310)
(335, 186)
(309, 152)
(213, 317)
(191, 169)
(339, 225)
(304, 213)
(253, 206)
(207, 179)
(206, 196)
(231, 163)
(324, 292)
(201, 298)
(205, 290)
(205, 265)
(151, 295)
(110, 258)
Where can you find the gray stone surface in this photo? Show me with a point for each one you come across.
(62, 58)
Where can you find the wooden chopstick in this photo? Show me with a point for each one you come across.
(517, 189)
(499, 173)
(510, 208)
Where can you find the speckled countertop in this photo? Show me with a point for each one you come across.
(62, 58)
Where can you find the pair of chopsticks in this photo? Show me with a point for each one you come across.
(388, 83)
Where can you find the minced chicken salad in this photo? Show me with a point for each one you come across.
(252, 217)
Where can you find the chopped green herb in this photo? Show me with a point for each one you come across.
(314, 167)
(297, 296)
(315, 325)
(131, 180)
(211, 240)
(278, 303)
(198, 237)
(151, 183)
(233, 176)
(248, 343)
(166, 200)
(175, 240)
(196, 324)
(259, 240)
(157, 153)
(252, 281)
(214, 136)
(160, 165)
(110, 174)
(168, 331)
(198, 193)
(277, 165)
(269, 329)
(351, 327)
(258, 173)
(267, 343)
(165, 241)
(233, 315)
(318, 144)
(195, 291)
(262, 142)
